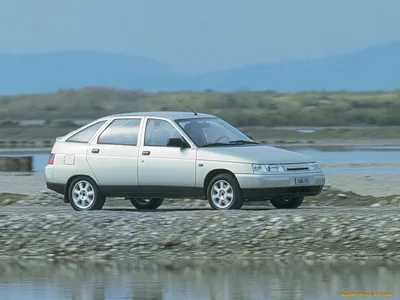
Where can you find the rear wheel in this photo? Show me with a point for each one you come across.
(224, 192)
(147, 203)
(84, 194)
(287, 202)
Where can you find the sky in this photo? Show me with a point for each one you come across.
(200, 35)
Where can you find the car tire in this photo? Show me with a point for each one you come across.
(147, 203)
(84, 194)
(223, 192)
(287, 203)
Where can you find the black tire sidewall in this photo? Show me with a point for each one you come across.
(294, 202)
(237, 202)
(98, 200)
(153, 204)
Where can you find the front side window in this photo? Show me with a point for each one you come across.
(121, 132)
(211, 131)
(158, 132)
(85, 135)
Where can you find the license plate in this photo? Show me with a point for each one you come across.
(302, 180)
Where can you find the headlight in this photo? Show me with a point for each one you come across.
(264, 169)
(313, 166)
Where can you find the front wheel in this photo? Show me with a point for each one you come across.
(287, 202)
(147, 203)
(224, 192)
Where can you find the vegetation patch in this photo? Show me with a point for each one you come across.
(10, 199)
(266, 108)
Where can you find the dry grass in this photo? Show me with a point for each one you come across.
(242, 109)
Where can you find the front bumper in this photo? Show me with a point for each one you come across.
(280, 185)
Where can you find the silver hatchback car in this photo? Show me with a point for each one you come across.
(147, 157)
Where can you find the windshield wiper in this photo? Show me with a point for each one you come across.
(242, 142)
(236, 142)
(215, 144)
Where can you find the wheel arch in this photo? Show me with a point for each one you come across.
(68, 184)
(210, 175)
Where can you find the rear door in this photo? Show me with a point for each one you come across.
(113, 155)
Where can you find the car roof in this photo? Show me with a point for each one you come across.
(172, 115)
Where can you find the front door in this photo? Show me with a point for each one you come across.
(163, 169)
(113, 156)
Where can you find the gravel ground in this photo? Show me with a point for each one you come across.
(307, 233)
(332, 226)
(335, 225)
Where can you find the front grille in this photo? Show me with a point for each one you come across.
(296, 167)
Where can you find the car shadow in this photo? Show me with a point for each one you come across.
(158, 210)
(177, 209)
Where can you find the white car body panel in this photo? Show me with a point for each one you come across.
(62, 171)
(114, 164)
(255, 154)
(167, 167)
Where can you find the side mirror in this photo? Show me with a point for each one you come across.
(249, 136)
(177, 142)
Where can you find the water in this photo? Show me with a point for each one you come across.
(380, 155)
(39, 159)
(125, 280)
(359, 155)
(355, 155)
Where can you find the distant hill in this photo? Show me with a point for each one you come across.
(36, 73)
(368, 70)
(372, 69)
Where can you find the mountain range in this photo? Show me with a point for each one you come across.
(372, 69)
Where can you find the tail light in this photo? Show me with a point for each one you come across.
(51, 159)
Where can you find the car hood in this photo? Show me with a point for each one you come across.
(252, 154)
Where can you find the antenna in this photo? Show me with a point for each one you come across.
(195, 113)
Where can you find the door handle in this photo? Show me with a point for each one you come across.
(145, 152)
(95, 151)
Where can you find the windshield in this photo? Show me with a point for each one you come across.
(212, 131)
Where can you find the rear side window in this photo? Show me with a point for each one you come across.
(121, 132)
(85, 135)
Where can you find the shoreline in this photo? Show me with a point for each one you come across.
(184, 263)
(188, 261)
(318, 144)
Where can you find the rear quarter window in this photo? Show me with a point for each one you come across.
(85, 135)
